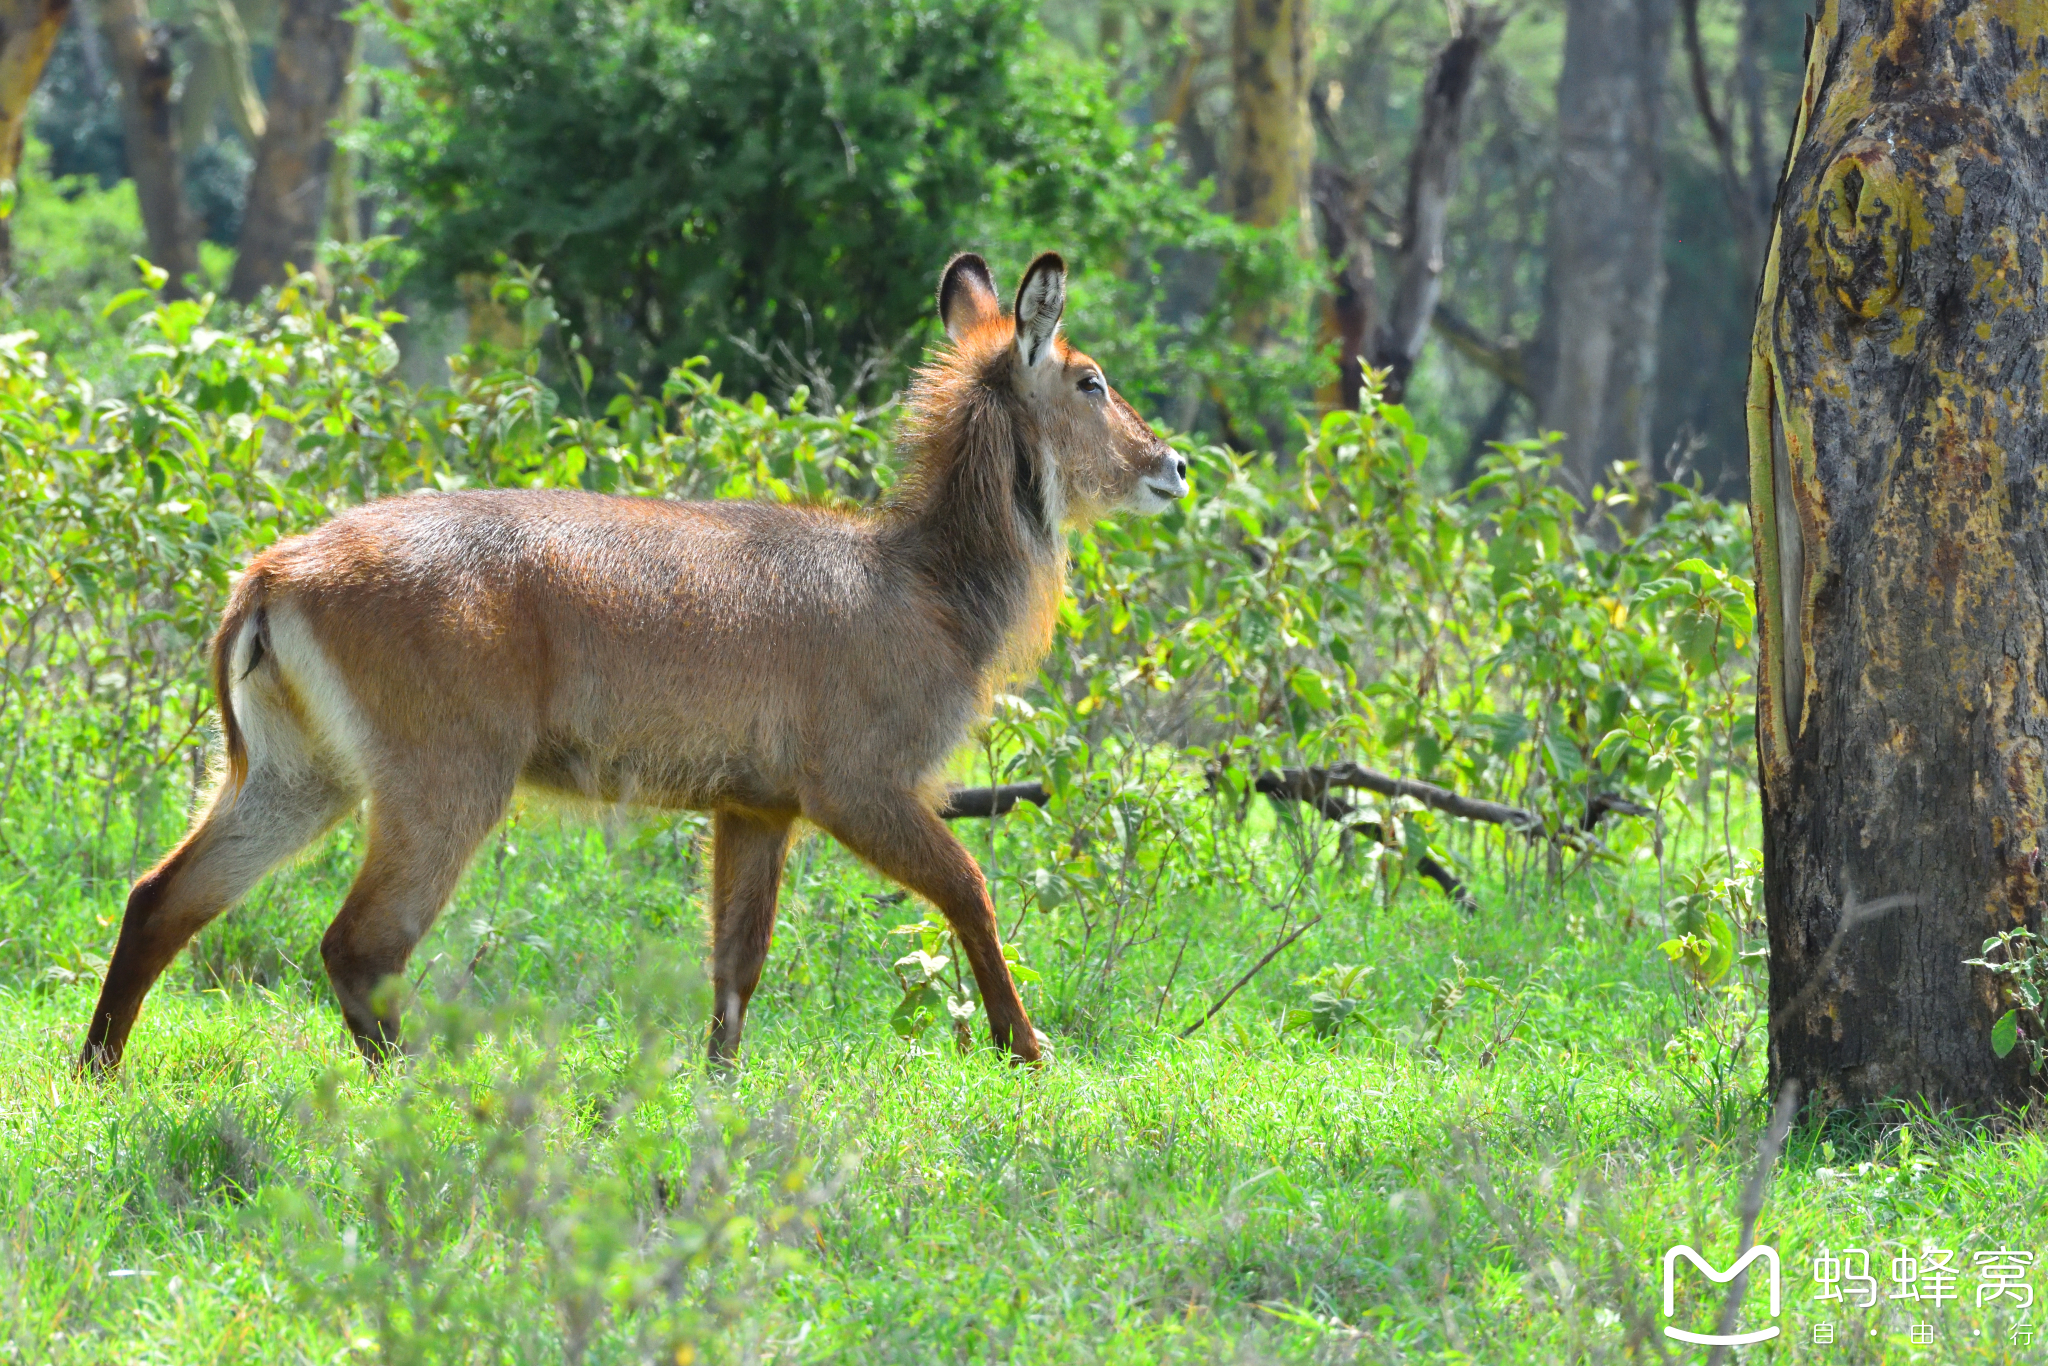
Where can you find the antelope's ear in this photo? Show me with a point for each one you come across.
(967, 295)
(1041, 298)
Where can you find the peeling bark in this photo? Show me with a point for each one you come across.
(288, 196)
(28, 30)
(1898, 432)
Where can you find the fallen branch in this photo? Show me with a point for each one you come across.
(1506, 359)
(1312, 787)
(1456, 804)
(1250, 973)
(1296, 784)
(966, 802)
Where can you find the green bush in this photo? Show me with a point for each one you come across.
(1324, 609)
(773, 183)
(550, 1182)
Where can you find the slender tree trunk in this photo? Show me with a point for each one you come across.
(28, 30)
(1749, 84)
(141, 50)
(1426, 212)
(1353, 299)
(1606, 237)
(1271, 145)
(288, 189)
(220, 75)
(344, 213)
(1899, 480)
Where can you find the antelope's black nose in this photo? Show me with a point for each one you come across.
(1180, 466)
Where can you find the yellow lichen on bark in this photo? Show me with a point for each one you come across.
(28, 30)
(1272, 142)
(1898, 422)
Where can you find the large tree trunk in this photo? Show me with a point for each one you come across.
(1271, 145)
(141, 51)
(28, 30)
(288, 197)
(1899, 478)
(1606, 237)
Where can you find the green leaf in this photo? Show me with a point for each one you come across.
(1564, 756)
(122, 300)
(1311, 687)
(916, 1011)
(2005, 1035)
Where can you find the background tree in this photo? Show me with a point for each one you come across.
(141, 48)
(1597, 370)
(288, 192)
(1164, 103)
(28, 30)
(1271, 64)
(1393, 340)
(768, 183)
(1899, 454)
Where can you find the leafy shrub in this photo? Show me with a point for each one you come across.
(1323, 608)
(772, 184)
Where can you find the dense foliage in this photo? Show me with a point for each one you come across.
(1321, 609)
(548, 1183)
(770, 182)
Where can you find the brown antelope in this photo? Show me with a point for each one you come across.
(432, 653)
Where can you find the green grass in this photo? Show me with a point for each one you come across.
(556, 1180)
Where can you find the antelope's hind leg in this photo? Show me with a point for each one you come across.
(244, 834)
(747, 854)
(420, 840)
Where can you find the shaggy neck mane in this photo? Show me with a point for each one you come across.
(973, 511)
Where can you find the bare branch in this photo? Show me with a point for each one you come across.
(1312, 787)
(1250, 973)
(1741, 209)
(1753, 1205)
(1506, 360)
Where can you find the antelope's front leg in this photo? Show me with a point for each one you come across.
(899, 835)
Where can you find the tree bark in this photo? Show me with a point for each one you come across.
(141, 50)
(1268, 166)
(1899, 483)
(1353, 299)
(28, 30)
(1606, 244)
(288, 190)
(1426, 212)
(221, 74)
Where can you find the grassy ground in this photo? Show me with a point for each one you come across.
(1517, 1115)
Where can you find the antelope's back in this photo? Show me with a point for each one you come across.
(624, 648)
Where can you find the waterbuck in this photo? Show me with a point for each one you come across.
(432, 653)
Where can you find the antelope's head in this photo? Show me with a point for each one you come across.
(1093, 450)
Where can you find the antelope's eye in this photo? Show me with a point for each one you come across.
(1091, 383)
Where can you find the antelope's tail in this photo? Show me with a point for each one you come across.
(244, 609)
